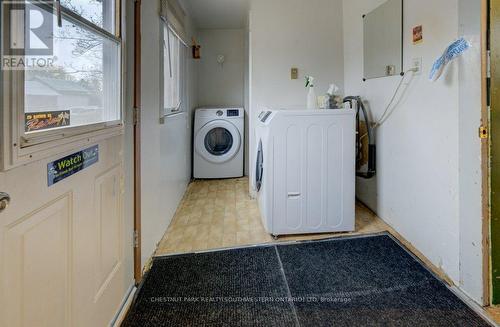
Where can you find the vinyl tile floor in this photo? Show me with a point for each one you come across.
(494, 313)
(218, 214)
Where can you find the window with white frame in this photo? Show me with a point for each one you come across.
(174, 72)
(80, 92)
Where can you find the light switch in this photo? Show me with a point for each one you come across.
(295, 73)
(390, 70)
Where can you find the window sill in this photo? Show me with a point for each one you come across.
(166, 114)
(174, 114)
(25, 155)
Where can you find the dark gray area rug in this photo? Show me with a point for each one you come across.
(226, 288)
(365, 281)
(369, 281)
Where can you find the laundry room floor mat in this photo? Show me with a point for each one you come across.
(230, 288)
(354, 281)
(368, 281)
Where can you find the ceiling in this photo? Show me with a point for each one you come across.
(218, 14)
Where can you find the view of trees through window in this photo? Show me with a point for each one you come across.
(99, 12)
(83, 86)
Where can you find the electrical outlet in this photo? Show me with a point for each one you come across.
(417, 66)
(294, 73)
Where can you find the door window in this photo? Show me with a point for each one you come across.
(218, 141)
(83, 87)
(69, 82)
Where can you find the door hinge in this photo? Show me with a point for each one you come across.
(137, 116)
(483, 132)
(136, 239)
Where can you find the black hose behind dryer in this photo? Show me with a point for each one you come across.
(372, 147)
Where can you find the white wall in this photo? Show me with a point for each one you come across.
(224, 85)
(246, 97)
(221, 85)
(292, 33)
(469, 165)
(428, 180)
(166, 149)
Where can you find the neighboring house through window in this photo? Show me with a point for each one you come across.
(78, 96)
(83, 87)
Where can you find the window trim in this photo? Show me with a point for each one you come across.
(75, 18)
(18, 148)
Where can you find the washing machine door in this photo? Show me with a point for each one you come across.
(218, 141)
(259, 167)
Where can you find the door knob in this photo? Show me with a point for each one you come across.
(4, 201)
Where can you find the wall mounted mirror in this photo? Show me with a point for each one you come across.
(383, 40)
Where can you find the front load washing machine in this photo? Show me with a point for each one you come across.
(218, 143)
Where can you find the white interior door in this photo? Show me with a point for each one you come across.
(62, 247)
(65, 246)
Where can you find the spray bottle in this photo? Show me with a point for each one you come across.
(311, 95)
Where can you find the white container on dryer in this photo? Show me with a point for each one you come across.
(305, 171)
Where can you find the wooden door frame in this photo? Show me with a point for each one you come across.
(493, 45)
(485, 152)
(137, 142)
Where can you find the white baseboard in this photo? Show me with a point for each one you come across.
(473, 305)
(122, 312)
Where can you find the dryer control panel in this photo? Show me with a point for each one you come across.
(233, 112)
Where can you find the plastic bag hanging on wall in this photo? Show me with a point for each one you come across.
(453, 51)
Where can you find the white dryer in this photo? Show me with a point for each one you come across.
(218, 143)
(305, 171)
